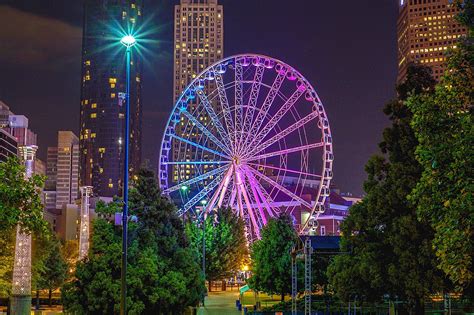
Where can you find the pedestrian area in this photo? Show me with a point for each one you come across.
(220, 303)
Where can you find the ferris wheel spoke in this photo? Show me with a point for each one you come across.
(280, 187)
(225, 104)
(188, 205)
(239, 98)
(285, 170)
(260, 135)
(280, 78)
(249, 114)
(199, 146)
(215, 120)
(283, 134)
(206, 132)
(195, 179)
(286, 151)
(195, 162)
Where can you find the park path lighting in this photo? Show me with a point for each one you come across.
(128, 41)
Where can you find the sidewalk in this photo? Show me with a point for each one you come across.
(220, 303)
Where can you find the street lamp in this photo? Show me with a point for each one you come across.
(128, 41)
(203, 222)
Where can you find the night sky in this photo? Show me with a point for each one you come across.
(346, 49)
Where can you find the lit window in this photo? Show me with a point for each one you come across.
(93, 115)
(112, 95)
(88, 77)
(88, 62)
(133, 5)
(111, 185)
(93, 135)
(112, 86)
(94, 105)
(112, 80)
(101, 150)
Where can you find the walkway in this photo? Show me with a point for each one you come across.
(220, 303)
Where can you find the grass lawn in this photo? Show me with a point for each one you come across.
(249, 299)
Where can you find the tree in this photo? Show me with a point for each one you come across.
(271, 257)
(20, 198)
(7, 252)
(20, 204)
(391, 250)
(55, 268)
(226, 244)
(444, 127)
(163, 274)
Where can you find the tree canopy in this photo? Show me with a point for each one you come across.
(20, 198)
(444, 127)
(271, 257)
(226, 244)
(391, 251)
(163, 273)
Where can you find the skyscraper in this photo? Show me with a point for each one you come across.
(103, 95)
(62, 171)
(426, 30)
(198, 43)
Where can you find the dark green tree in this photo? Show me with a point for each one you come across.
(444, 126)
(271, 257)
(391, 250)
(20, 198)
(163, 274)
(54, 269)
(226, 244)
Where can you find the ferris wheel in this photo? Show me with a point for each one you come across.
(250, 133)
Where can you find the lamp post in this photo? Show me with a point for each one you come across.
(128, 41)
(203, 203)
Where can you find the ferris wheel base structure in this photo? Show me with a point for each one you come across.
(250, 133)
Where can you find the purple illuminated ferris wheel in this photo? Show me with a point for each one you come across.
(249, 132)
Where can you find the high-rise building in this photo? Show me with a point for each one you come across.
(62, 171)
(198, 43)
(426, 30)
(103, 95)
(8, 145)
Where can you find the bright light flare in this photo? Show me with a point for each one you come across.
(128, 41)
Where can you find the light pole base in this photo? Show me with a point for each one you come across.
(20, 305)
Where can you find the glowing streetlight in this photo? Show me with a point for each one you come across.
(128, 41)
(184, 188)
(204, 202)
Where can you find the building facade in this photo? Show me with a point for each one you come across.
(426, 30)
(62, 171)
(198, 43)
(8, 145)
(102, 112)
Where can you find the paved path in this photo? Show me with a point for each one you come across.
(220, 303)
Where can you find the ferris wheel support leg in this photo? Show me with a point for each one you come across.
(226, 185)
(258, 188)
(257, 199)
(250, 212)
(219, 190)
